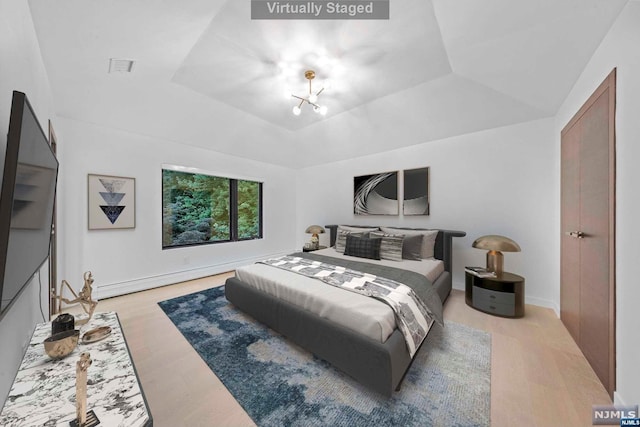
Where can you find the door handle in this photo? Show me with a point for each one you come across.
(576, 234)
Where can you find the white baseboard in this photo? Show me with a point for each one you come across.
(543, 303)
(121, 288)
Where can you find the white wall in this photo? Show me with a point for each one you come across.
(129, 260)
(619, 50)
(22, 69)
(500, 181)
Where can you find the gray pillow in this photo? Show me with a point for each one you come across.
(428, 241)
(391, 245)
(362, 247)
(412, 248)
(341, 239)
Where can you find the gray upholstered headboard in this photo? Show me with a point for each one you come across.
(442, 249)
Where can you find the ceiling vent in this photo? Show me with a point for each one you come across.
(120, 65)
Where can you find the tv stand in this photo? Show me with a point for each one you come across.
(44, 391)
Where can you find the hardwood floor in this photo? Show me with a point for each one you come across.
(539, 377)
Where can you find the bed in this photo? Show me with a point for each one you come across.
(379, 362)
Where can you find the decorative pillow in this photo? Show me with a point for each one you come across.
(357, 229)
(412, 247)
(391, 246)
(341, 239)
(428, 241)
(362, 247)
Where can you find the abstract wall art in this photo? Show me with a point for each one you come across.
(416, 192)
(376, 194)
(111, 202)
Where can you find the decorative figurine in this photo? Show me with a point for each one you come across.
(81, 388)
(84, 298)
(315, 242)
(83, 419)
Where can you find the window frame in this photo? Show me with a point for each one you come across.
(233, 221)
(233, 206)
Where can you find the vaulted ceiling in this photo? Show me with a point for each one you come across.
(207, 75)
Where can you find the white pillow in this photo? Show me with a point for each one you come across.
(428, 241)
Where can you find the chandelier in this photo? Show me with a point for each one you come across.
(311, 98)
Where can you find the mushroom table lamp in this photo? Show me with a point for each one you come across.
(315, 230)
(496, 245)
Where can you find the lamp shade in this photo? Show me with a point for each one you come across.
(314, 229)
(494, 242)
(496, 245)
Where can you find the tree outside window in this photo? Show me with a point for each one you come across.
(198, 209)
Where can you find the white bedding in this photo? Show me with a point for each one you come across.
(359, 313)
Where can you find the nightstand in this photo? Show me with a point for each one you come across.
(501, 296)
(313, 249)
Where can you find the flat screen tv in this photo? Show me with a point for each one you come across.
(26, 201)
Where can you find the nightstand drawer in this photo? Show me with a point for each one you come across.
(490, 296)
(495, 308)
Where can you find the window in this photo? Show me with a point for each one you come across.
(249, 209)
(201, 209)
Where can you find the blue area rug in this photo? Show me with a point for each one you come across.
(280, 384)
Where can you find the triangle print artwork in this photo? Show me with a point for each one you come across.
(112, 185)
(111, 202)
(112, 212)
(112, 198)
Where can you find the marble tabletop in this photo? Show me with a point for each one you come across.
(44, 391)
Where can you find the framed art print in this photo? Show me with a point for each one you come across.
(416, 192)
(376, 194)
(112, 202)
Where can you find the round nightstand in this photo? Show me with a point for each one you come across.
(502, 295)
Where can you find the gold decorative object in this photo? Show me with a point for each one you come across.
(81, 388)
(84, 298)
(96, 334)
(496, 245)
(315, 239)
(61, 345)
(83, 418)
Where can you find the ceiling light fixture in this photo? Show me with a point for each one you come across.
(310, 99)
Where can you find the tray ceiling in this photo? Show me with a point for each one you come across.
(209, 76)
